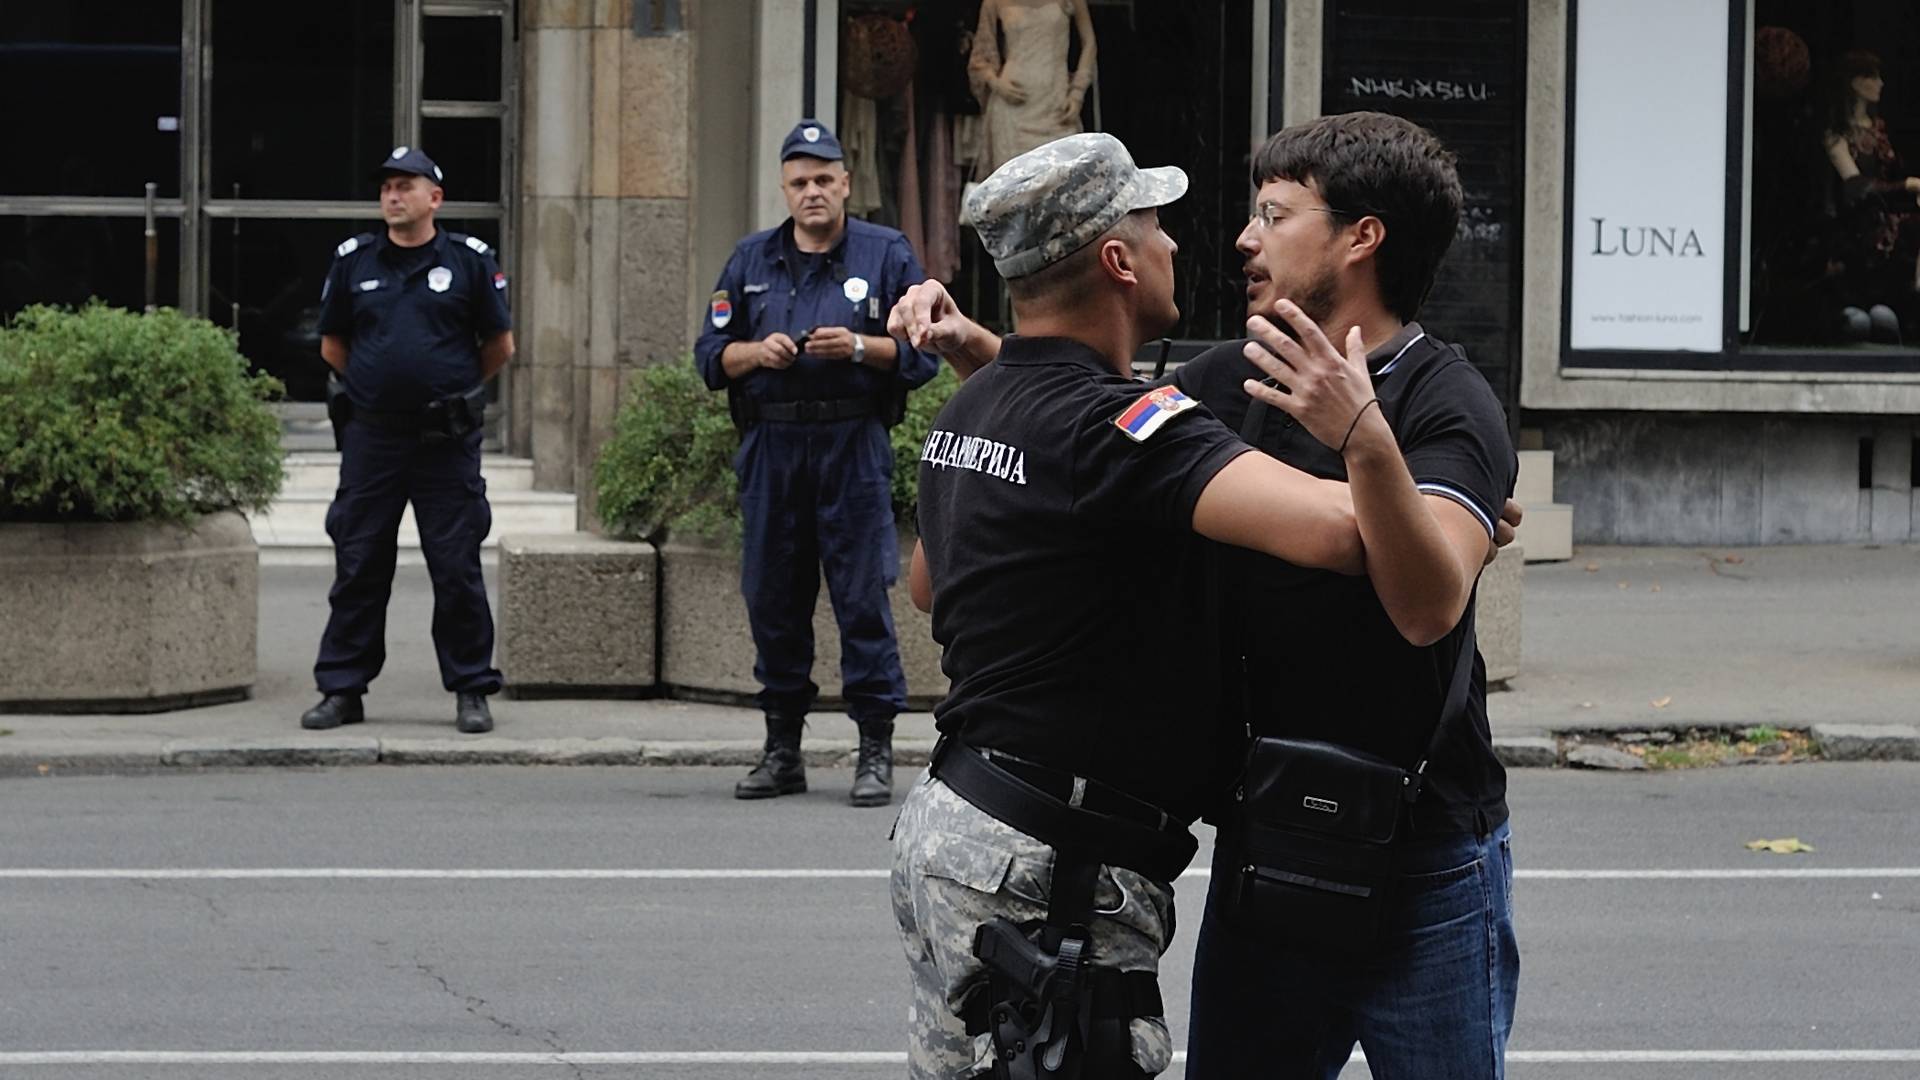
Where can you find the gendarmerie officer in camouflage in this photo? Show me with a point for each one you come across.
(1062, 510)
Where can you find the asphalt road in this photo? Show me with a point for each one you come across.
(137, 946)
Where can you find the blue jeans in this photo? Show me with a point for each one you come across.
(1436, 1004)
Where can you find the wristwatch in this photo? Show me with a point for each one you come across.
(859, 349)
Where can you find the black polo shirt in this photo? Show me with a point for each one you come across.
(413, 317)
(1323, 660)
(1076, 605)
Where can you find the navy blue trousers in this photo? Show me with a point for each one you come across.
(814, 497)
(380, 472)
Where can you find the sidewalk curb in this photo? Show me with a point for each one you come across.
(1868, 742)
(1838, 742)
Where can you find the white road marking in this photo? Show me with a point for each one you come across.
(833, 1057)
(375, 873)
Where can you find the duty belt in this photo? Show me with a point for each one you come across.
(798, 412)
(432, 417)
(1070, 813)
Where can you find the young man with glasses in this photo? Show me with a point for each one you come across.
(1352, 216)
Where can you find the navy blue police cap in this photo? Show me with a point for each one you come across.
(811, 138)
(409, 159)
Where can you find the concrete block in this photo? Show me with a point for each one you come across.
(707, 648)
(132, 617)
(577, 614)
(1868, 742)
(1546, 532)
(1527, 752)
(1534, 485)
(1497, 608)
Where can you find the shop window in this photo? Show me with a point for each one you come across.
(1173, 82)
(1834, 215)
(94, 87)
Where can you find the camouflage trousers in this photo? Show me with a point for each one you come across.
(954, 868)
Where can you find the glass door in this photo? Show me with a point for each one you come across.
(110, 116)
(303, 102)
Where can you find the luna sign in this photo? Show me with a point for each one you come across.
(1648, 258)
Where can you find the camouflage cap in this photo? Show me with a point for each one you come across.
(1055, 199)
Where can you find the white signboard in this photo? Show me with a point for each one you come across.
(1649, 175)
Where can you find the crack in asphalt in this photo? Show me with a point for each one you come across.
(219, 913)
(477, 1006)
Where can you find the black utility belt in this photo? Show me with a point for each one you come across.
(452, 417)
(1072, 814)
(804, 412)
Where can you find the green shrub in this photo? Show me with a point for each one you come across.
(668, 469)
(110, 415)
(909, 436)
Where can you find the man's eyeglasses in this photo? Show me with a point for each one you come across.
(1270, 214)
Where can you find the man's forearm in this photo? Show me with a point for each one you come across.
(976, 349)
(1414, 565)
(883, 353)
(495, 352)
(333, 349)
(739, 357)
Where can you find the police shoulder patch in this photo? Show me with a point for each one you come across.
(479, 245)
(347, 247)
(1151, 411)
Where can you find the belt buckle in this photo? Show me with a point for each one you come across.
(810, 410)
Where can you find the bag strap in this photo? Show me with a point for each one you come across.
(1454, 707)
(1457, 687)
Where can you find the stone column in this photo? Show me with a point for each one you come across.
(606, 281)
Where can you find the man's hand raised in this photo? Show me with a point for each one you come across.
(1325, 391)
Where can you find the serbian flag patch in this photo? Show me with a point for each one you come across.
(1147, 415)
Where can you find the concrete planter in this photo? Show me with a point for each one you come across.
(707, 649)
(132, 617)
(577, 615)
(1496, 620)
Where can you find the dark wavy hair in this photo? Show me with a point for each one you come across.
(1372, 164)
(1839, 94)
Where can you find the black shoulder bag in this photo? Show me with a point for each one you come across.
(1314, 823)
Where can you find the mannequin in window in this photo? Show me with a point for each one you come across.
(1879, 219)
(1027, 95)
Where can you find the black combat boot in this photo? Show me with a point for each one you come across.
(471, 715)
(781, 770)
(873, 772)
(333, 710)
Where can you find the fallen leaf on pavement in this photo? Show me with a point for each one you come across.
(1736, 560)
(1593, 568)
(1661, 702)
(1654, 588)
(1622, 585)
(1790, 845)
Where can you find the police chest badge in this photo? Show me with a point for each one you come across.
(439, 279)
(856, 289)
(720, 310)
(1151, 412)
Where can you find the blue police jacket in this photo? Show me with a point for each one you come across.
(767, 287)
(413, 317)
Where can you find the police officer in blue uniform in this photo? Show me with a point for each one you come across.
(413, 321)
(796, 334)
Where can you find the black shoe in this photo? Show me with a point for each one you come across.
(781, 770)
(333, 710)
(873, 771)
(471, 715)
